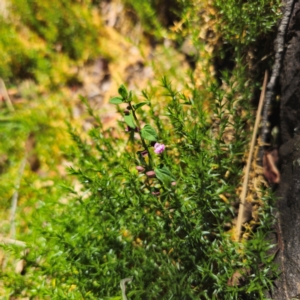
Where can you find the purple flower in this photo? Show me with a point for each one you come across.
(159, 148)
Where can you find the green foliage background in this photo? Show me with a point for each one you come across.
(84, 241)
(58, 34)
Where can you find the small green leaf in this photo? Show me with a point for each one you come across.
(139, 105)
(164, 175)
(149, 133)
(129, 121)
(123, 92)
(116, 100)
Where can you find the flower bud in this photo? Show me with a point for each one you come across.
(150, 174)
(144, 153)
(126, 112)
(155, 193)
(173, 183)
(140, 169)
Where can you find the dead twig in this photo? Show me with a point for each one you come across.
(5, 96)
(247, 171)
(8, 241)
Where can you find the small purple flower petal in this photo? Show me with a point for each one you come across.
(159, 148)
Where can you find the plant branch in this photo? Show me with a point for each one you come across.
(139, 131)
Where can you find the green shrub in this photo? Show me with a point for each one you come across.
(170, 238)
(168, 232)
(242, 22)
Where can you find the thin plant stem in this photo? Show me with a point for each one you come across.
(142, 139)
(14, 200)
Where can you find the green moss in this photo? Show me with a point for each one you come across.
(242, 22)
(38, 37)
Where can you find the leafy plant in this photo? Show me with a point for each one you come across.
(151, 200)
(157, 218)
(242, 21)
